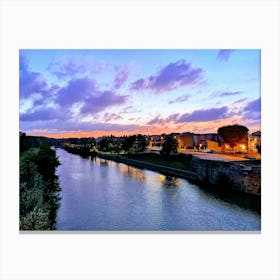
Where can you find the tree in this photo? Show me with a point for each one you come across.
(128, 142)
(170, 145)
(47, 161)
(234, 134)
(140, 143)
(104, 144)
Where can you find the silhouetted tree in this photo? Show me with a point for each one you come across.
(234, 134)
(170, 145)
(140, 143)
(128, 142)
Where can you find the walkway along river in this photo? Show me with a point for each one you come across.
(105, 195)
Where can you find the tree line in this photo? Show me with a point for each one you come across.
(111, 144)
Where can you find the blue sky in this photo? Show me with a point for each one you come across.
(76, 93)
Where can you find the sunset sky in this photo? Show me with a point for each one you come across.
(82, 93)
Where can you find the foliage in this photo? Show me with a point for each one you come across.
(233, 134)
(140, 143)
(39, 188)
(170, 145)
(104, 143)
(259, 148)
(128, 142)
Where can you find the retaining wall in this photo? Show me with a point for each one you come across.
(241, 175)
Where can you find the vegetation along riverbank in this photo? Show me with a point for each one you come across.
(39, 186)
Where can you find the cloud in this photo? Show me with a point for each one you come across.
(105, 99)
(45, 114)
(30, 83)
(73, 125)
(86, 91)
(179, 99)
(69, 69)
(240, 100)
(172, 76)
(224, 55)
(111, 117)
(226, 93)
(121, 77)
(158, 120)
(252, 110)
(205, 115)
(75, 91)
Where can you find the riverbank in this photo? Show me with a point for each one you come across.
(164, 169)
(244, 177)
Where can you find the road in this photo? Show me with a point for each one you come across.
(214, 156)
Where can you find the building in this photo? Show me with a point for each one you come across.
(200, 140)
(254, 142)
(185, 140)
(155, 141)
(214, 145)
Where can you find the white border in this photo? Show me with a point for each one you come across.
(139, 24)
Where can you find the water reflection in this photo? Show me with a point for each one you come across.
(128, 171)
(168, 181)
(103, 162)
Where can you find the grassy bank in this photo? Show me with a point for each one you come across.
(175, 161)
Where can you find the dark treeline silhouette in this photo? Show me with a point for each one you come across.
(39, 186)
(107, 144)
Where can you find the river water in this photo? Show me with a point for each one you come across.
(104, 195)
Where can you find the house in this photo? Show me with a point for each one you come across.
(185, 140)
(254, 141)
(200, 140)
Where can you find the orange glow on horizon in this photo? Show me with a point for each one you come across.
(202, 127)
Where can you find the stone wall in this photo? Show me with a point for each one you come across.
(241, 175)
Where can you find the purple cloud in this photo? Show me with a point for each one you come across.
(226, 93)
(138, 85)
(205, 115)
(70, 69)
(172, 76)
(30, 82)
(73, 125)
(240, 100)
(121, 77)
(253, 110)
(111, 116)
(42, 115)
(76, 90)
(158, 120)
(224, 55)
(179, 99)
(98, 103)
(85, 91)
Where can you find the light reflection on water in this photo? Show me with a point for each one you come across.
(101, 194)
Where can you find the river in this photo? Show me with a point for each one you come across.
(102, 195)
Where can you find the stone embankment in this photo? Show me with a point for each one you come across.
(240, 175)
(244, 176)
